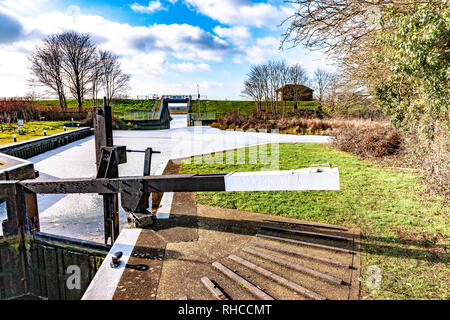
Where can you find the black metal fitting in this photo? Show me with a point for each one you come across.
(116, 259)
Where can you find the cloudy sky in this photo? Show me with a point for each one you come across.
(168, 46)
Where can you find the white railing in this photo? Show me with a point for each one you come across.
(171, 96)
(138, 116)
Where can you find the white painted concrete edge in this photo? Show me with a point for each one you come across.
(22, 162)
(106, 280)
(165, 207)
(287, 180)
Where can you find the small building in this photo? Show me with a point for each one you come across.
(294, 92)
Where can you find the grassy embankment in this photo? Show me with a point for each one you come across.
(405, 231)
(32, 130)
(244, 107)
(119, 106)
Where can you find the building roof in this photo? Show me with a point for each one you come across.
(300, 86)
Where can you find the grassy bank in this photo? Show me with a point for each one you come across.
(119, 106)
(33, 130)
(405, 232)
(244, 107)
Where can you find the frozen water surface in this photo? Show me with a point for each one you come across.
(81, 215)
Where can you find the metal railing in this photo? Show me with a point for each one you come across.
(203, 116)
(138, 116)
(171, 96)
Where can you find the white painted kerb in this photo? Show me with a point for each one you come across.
(290, 180)
(165, 205)
(107, 279)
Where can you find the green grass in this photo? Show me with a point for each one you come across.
(244, 107)
(32, 130)
(405, 231)
(119, 106)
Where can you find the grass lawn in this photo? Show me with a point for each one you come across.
(32, 130)
(405, 232)
(244, 107)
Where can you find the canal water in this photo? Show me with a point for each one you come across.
(81, 215)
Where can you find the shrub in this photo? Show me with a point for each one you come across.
(367, 140)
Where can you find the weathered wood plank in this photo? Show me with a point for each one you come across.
(309, 233)
(2, 275)
(213, 289)
(42, 271)
(166, 183)
(300, 254)
(34, 271)
(295, 266)
(304, 243)
(307, 224)
(51, 273)
(241, 281)
(61, 270)
(283, 281)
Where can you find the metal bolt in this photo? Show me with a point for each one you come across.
(115, 261)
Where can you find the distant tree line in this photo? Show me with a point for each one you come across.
(263, 81)
(69, 64)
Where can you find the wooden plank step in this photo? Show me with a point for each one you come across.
(241, 281)
(213, 289)
(309, 233)
(300, 254)
(310, 244)
(295, 266)
(308, 224)
(277, 278)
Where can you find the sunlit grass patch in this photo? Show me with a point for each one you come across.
(33, 129)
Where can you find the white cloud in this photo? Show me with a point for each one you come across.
(268, 42)
(242, 12)
(152, 6)
(190, 67)
(266, 48)
(148, 52)
(237, 35)
(144, 50)
(24, 6)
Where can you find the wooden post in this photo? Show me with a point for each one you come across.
(104, 138)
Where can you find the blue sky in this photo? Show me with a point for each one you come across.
(167, 46)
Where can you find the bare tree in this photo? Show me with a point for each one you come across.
(79, 53)
(321, 83)
(96, 78)
(265, 79)
(254, 86)
(297, 76)
(346, 31)
(46, 68)
(114, 81)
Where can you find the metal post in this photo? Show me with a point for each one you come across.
(198, 90)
